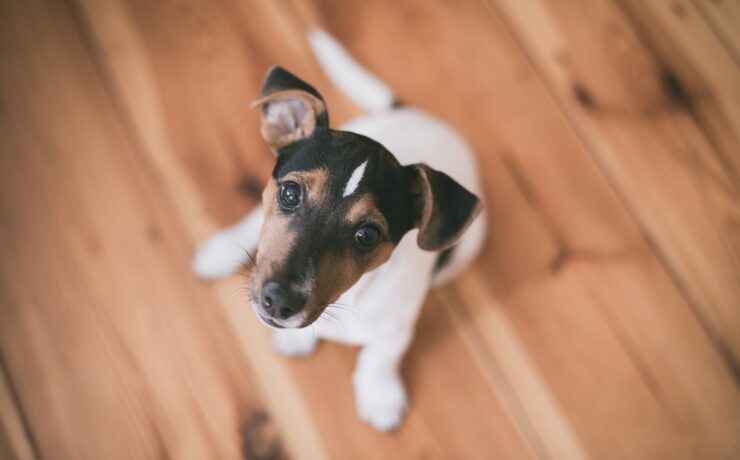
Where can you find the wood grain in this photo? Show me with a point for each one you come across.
(15, 440)
(636, 116)
(600, 321)
(724, 18)
(697, 69)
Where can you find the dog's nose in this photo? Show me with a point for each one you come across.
(278, 303)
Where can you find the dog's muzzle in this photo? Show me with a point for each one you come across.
(279, 304)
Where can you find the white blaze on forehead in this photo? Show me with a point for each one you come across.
(354, 179)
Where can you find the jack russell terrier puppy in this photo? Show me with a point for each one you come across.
(356, 223)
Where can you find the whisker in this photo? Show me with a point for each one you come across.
(252, 260)
(239, 292)
(243, 267)
(341, 304)
(326, 318)
(349, 310)
(332, 315)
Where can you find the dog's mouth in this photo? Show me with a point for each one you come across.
(290, 323)
(270, 322)
(299, 321)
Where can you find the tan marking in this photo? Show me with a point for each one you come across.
(276, 239)
(429, 218)
(424, 199)
(336, 274)
(314, 181)
(364, 209)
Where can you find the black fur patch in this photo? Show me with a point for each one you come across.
(443, 259)
(340, 153)
(279, 79)
(324, 229)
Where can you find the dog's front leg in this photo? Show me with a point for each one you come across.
(227, 250)
(379, 391)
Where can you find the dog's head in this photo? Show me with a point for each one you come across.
(337, 205)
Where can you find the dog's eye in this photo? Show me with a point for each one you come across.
(366, 238)
(289, 195)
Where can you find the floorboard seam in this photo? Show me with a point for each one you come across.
(25, 423)
(504, 387)
(721, 37)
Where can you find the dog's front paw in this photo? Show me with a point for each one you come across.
(294, 343)
(381, 402)
(217, 257)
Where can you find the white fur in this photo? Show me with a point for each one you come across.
(384, 304)
(294, 342)
(354, 179)
(224, 253)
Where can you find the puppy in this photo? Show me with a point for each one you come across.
(355, 225)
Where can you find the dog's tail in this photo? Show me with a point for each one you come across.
(359, 85)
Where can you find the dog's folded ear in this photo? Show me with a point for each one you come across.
(443, 209)
(292, 109)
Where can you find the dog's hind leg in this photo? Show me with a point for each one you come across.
(228, 250)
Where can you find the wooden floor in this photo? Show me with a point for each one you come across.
(602, 320)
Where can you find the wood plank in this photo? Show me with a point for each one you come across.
(600, 321)
(113, 350)
(15, 442)
(319, 387)
(724, 17)
(637, 122)
(698, 69)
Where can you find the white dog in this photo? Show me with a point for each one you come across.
(364, 219)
